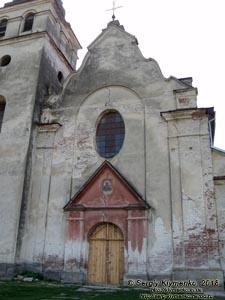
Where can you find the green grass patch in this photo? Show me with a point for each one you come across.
(42, 290)
(47, 291)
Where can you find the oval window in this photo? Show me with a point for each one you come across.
(110, 134)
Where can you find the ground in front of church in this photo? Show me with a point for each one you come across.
(42, 290)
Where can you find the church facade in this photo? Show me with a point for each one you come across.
(108, 172)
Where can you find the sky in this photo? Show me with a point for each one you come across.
(186, 38)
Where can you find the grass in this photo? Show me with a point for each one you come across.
(47, 291)
(16, 290)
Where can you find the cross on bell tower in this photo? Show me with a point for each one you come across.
(113, 9)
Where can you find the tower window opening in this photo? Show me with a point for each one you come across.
(60, 76)
(5, 60)
(110, 134)
(3, 26)
(28, 24)
(2, 110)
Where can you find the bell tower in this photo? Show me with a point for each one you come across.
(38, 51)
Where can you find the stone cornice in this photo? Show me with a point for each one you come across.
(189, 89)
(48, 127)
(219, 180)
(219, 177)
(22, 6)
(34, 36)
(189, 113)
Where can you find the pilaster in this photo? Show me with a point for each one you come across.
(195, 236)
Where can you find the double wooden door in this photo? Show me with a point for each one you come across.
(106, 255)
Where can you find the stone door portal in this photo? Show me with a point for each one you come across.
(106, 255)
(107, 223)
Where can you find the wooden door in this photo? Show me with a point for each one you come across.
(106, 255)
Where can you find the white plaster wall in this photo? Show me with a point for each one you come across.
(160, 259)
(130, 161)
(193, 203)
(158, 191)
(19, 92)
(220, 197)
(219, 173)
(136, 261)
(44, 233)
(218, 162)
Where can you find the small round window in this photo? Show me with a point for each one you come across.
(5, 60)
(110, 134)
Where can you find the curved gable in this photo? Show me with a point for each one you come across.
(114, 58)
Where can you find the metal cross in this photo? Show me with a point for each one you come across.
(113, 9)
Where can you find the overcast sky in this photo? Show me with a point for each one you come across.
(186, 38)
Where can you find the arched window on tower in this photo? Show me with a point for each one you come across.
(3, 26)
(2, 110)
(28, 23)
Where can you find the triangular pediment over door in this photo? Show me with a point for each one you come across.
(106, 188)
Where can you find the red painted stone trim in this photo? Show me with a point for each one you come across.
(123, 190)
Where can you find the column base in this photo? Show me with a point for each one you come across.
(207, 279)
(73, 277)
(7, 271)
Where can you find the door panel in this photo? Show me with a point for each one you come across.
(106, 255)
(97, 272)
